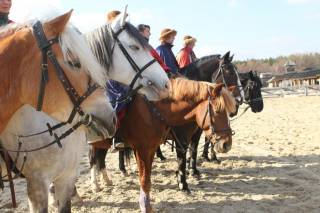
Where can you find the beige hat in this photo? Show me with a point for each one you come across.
(188, 40)
(112, 15)
(165, 33)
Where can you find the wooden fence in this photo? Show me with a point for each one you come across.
(290, 91)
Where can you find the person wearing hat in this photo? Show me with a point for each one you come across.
(145, 32)
(167, 37)
(186, 54)
(5, 6)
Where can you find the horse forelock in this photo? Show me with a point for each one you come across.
(74, 45)
(225, 101)
(101, 41)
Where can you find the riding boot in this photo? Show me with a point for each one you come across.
(205, 153)
(117, 143)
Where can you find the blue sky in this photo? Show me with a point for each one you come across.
(248, 28)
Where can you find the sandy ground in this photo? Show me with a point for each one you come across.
(272, 167)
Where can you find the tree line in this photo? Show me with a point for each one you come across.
(276, 65)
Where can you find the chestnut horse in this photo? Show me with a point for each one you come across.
(206, 104)
(252, 92)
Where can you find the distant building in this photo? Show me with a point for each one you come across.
(265, 77)
(307, 77)
(290, 66)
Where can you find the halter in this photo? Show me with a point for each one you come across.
(210, 112)
(133, 64)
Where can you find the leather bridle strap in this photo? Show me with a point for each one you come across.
(135, 67)
(45, 47)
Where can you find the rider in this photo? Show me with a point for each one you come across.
(5, 6)
(186, 54)
(116, 89)
(167, 37)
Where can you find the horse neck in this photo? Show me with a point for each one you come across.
(203, 71)
(12, 71)
(177, 112)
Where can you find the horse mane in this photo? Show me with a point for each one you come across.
(102, 42)
(74, 45)
(186, 90)
(204, 59)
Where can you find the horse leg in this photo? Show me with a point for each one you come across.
(144, 159)
(93, 169)
(181, 150)
(64, 188)
(160, 155)
(38, 194)
(101, 165)
(206, 150)
(75, 197)
(193, 151)
(122, 166)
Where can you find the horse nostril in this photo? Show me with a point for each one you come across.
(225, 146)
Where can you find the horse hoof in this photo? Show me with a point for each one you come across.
(187, 191)
(96, 189)
(109, 183)
(216, 161)
(206, 158)
(195, 173)
(77, 200)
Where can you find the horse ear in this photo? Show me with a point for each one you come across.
(251, 74)
(57, 25)
(217, 89)
(231, 58)
(226, 56)
(231, 88)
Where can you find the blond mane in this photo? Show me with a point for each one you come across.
(195, 91)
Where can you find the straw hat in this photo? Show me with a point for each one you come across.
(188, 40)
(165, 33)
(112, 15)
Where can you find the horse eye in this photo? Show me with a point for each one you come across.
(134, 47)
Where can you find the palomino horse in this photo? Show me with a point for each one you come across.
(206, 104)
(20, 58)
(252, 92)
(73, 48)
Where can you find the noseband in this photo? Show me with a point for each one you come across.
(133, 64)
(210, 112)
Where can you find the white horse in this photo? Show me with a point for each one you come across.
(58, 165)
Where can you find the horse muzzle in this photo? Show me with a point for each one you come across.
(97, 130)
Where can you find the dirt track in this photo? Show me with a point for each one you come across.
(272, 167)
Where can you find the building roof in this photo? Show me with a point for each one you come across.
(289, 63)
(297, 75)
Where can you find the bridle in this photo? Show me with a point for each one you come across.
(221, 70)
(45, 46)
(133, 64)
(217, 134)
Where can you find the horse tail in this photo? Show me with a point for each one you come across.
(127, 154)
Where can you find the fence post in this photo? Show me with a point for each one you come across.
(306, 90)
